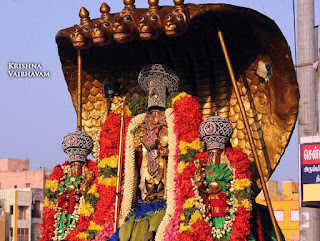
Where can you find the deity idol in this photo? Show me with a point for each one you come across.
(223, 179)
(147, 155)
(146, 158)
(67, 187)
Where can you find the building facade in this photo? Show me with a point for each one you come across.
(285, 204)
(21, 200)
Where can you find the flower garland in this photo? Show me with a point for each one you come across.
(242, 193)
(186, 122)
(52, 211)
(96, 212)
(195, 225)
(107, 180)
(129, 169)
(183, 122)
(171, 170)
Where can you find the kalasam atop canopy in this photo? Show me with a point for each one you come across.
(116, 46)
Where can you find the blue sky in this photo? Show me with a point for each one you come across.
(36, 113)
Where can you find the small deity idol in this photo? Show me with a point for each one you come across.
(75, 183)
(219, 181)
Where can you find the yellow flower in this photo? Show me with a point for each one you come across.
(184, 228)
(94, 226)
(180, 96)
(236, 203)
(196, 145)
(181, 166)
(111, 161)
(48, 204)
(246, 204)
(52, 185)
(83, 236)
(197, 205)
(190, 202)
(182, 217)
(86, 209)
(195, 217)
(108, 181)
(93, 190)
(240, 184)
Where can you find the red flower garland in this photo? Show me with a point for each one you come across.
(187, 120)
(109, 145)
(48, 214)
(57, 173)
(188, 117)
(47, 224)
(201, 229)
(241, 162)
(109, 135)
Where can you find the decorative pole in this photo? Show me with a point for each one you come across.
(246, 122)
(119, 170)
(79, 97)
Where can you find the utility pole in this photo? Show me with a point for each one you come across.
(308, 106)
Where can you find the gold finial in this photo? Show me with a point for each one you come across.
(153, 4)
(84, 15)
(105, 10)
(129, 3)
(178, 3)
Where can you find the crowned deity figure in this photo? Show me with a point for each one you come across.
(223, 187)
(69, 184)
(146, 158)
(151, 136)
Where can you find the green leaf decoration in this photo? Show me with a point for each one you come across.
(137, 105)
(92, 234)
(140, 230)
(92, 199)
(189, 156)
(155, 221)
(108, 171)
(125, 230)
(51, 195)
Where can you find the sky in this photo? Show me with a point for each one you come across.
(36, 113)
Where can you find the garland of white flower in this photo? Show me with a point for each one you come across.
(227, 226)
(75, 216)
(129, 168)
(129, 165)
(171, 172)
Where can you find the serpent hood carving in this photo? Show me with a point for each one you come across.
(189, 44)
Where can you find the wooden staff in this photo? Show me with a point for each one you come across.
(246, 122)
(119, 170)
(79, 97)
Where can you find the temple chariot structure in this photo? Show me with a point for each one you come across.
(234, 60)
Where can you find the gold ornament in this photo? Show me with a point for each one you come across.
(215, 186)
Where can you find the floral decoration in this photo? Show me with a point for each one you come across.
(194, 226)
(96, 211)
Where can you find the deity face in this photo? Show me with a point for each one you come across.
(124, 27)
(102, 32)
(150, 25)
(214, 156)
(76, 168)
(81, 37)
(175, 23)
(155, 117)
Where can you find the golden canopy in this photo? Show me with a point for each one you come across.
(116, 46)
